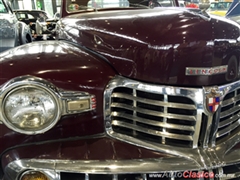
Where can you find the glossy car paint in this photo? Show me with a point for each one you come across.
(177, 39)
(89, 148)
(68, 67)
(116, 44)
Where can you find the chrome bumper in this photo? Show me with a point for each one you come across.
(217, 160)
(53, 168)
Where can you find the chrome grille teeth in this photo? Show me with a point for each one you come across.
(159, 117)
(229, 116)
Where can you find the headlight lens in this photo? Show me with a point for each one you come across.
(30, 109)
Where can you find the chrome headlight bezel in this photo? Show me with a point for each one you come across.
(66, 102)
(38, 84)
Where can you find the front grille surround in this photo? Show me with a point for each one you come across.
(161, 115)
(154, 116)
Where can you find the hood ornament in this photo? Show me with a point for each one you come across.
(213, 98)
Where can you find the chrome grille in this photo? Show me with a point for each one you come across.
(224, 173)
(154, 114)
(229, 121)
(156, 176)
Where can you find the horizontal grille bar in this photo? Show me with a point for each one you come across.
(151, 122)
(229, 120)
(228, 129)
(230, 101)
(154, 113)
(152, 132)
(154, 102)
(229, 111)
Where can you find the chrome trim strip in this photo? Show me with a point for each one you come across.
(103, 167)
(61, 97)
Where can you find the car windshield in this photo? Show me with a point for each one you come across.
(78, 5)
(2, 7)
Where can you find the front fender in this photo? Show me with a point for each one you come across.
(68, 67)
(24, 33)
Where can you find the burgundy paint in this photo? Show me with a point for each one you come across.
(67, 67)
(175, 39)
(82, 149)
(157, 45)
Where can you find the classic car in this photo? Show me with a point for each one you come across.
(111, 99)
(219, 8)
(41, 24)
(12, 32)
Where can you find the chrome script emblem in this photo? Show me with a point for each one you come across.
(194, 71)
(213, 99)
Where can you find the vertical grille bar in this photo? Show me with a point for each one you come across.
(134, 112)
(86, 176)
(115, 177)
(144, 176)
(165, 110)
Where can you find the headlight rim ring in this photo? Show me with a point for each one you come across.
(48, 88)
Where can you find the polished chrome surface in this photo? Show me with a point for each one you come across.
(153, 115)
(164, 115)
(193, 71)
(62, 99)
(143, 168)
(228, 117)
(212, 155)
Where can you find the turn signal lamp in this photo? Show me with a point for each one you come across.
(33, 175)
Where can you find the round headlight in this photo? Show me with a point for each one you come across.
(30, 109)
(33, 175)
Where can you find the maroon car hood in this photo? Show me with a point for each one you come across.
(153, 45)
